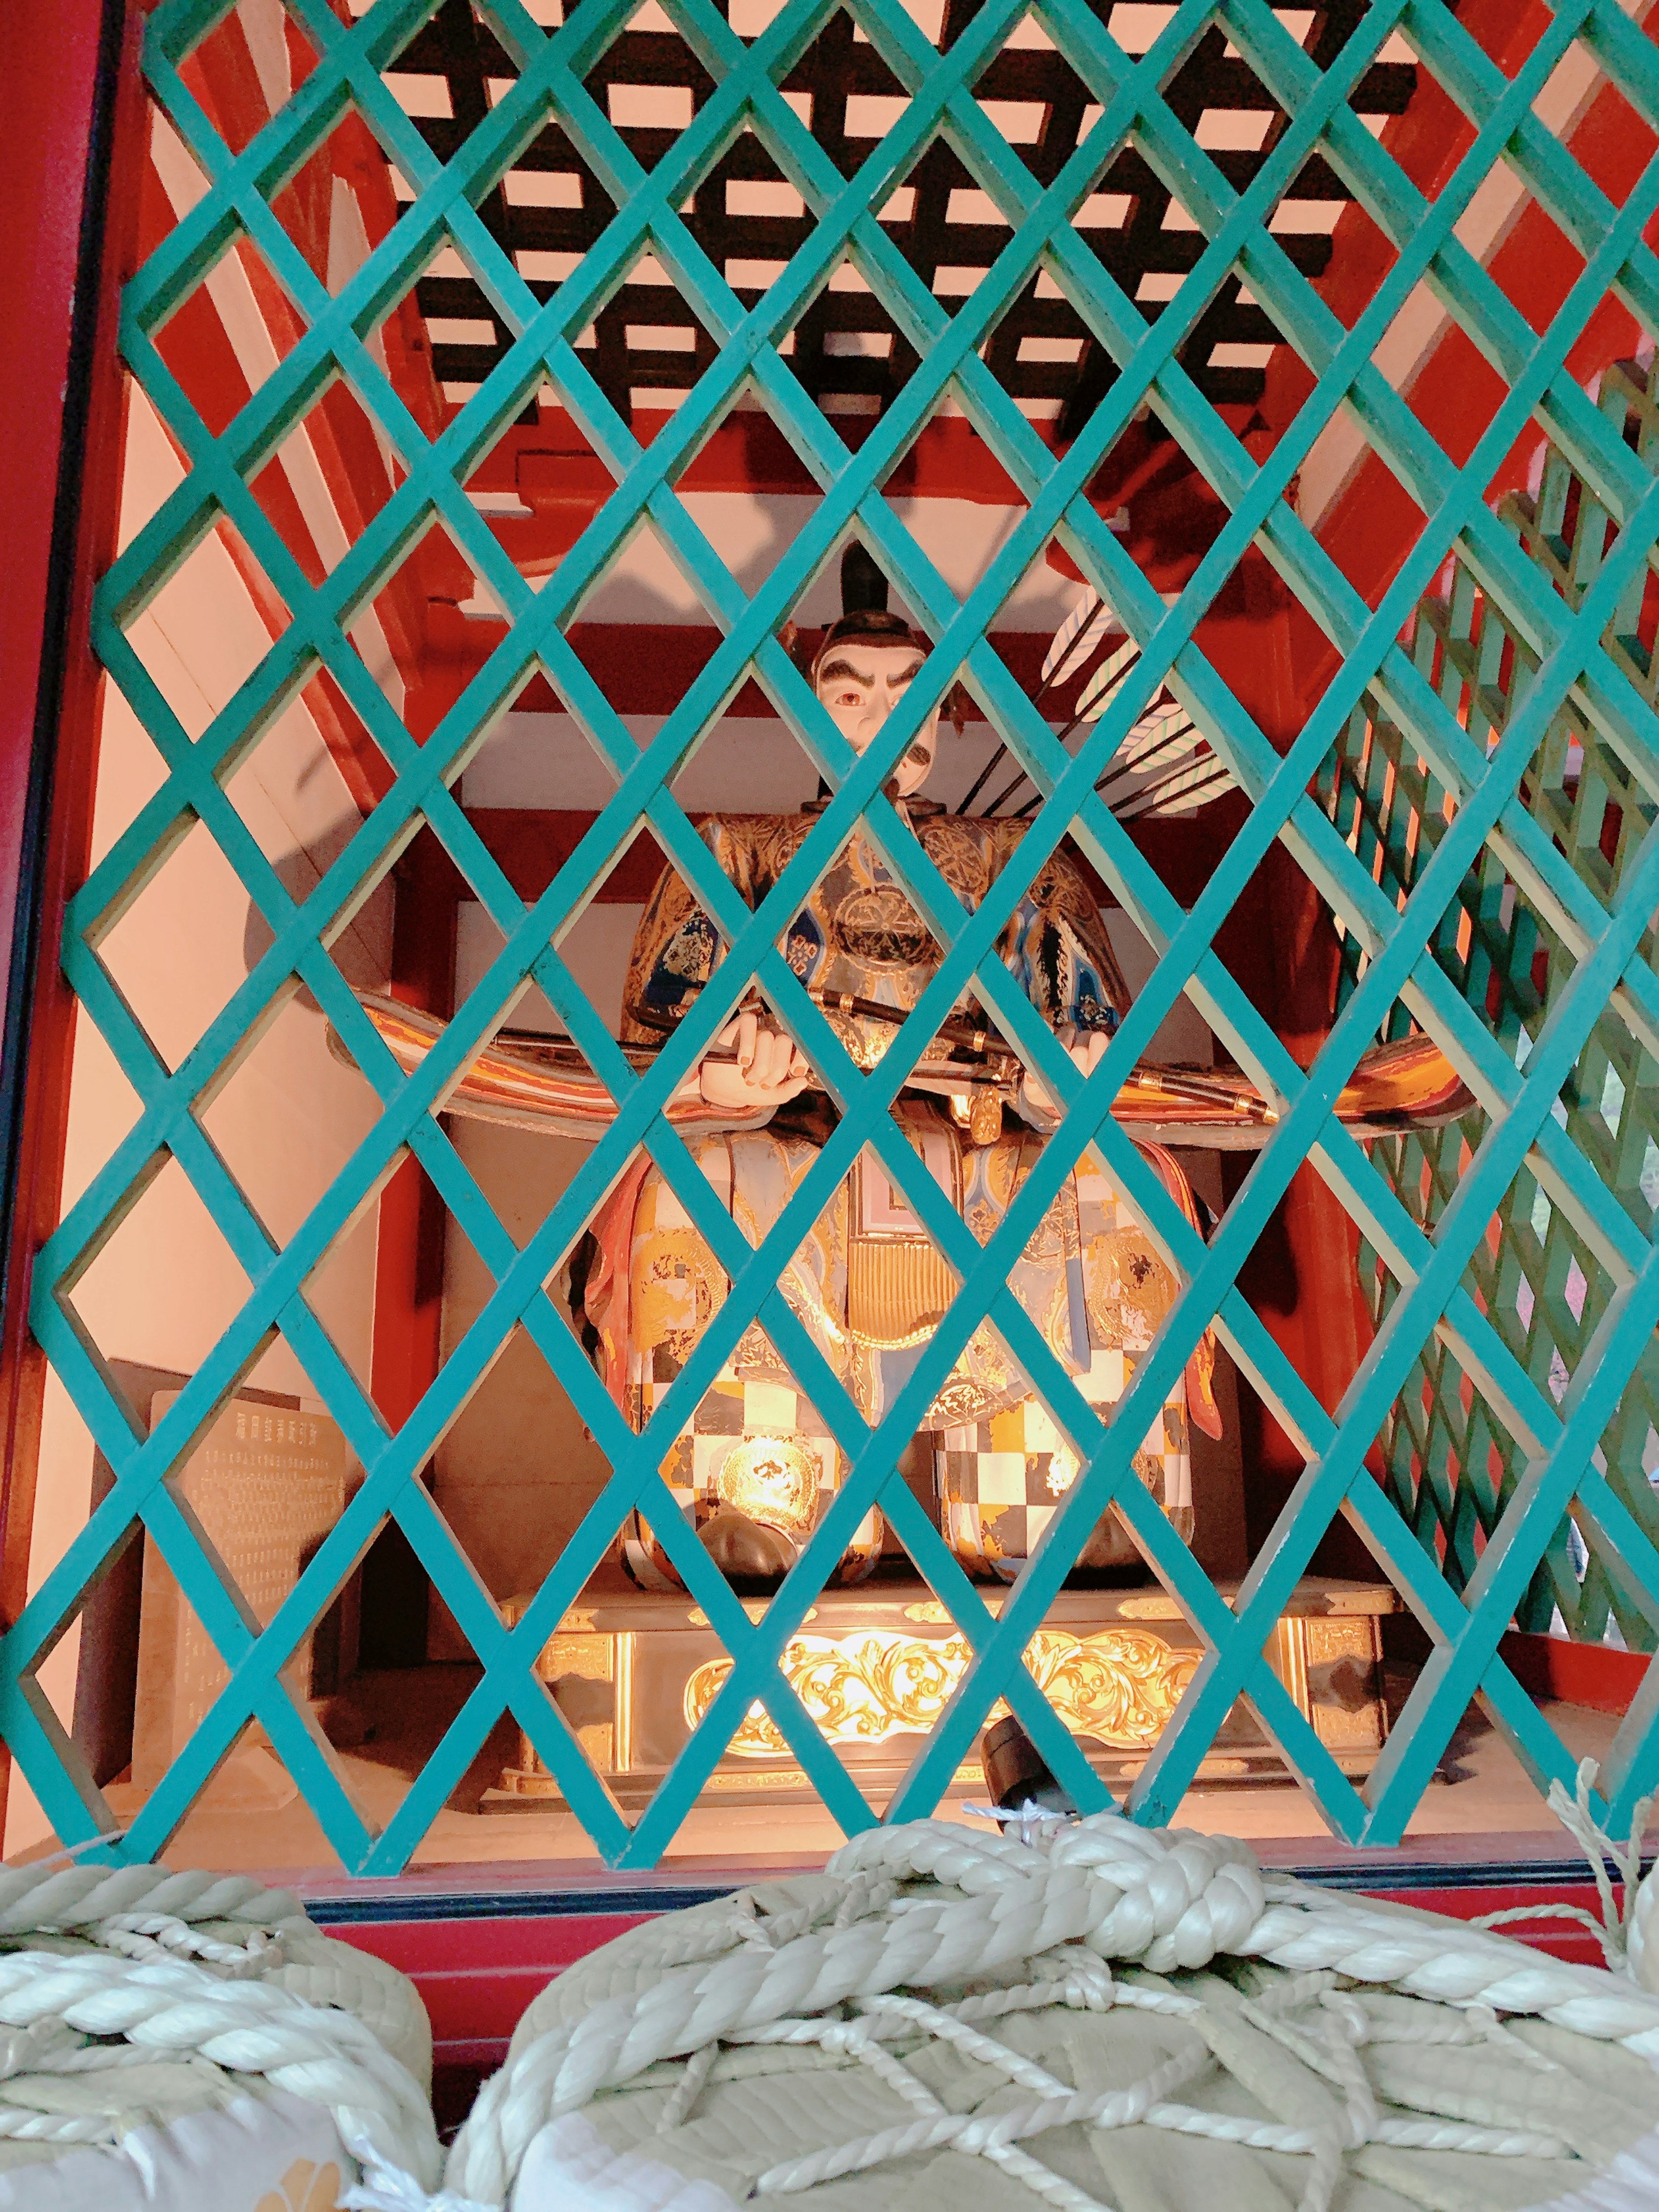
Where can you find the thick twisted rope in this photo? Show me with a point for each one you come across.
(34, 1899)
(1102, 1888)
(234, 1926)
(171, 2006)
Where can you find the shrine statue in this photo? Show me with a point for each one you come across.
(755, 1466)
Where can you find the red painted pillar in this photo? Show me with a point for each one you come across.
(72, 134)
(408, 1277)
(409, 1267)
(1302, 1279)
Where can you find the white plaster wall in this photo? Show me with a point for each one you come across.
(165, 1287)
(960, 537)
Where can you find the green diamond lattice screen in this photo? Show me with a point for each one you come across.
(1544, 1283)
(1455, 839)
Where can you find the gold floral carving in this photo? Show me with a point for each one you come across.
(933, 1614)
(1119, 1686)
(754, 1606)
(582, 1652)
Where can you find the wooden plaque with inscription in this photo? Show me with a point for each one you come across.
(266, 1485)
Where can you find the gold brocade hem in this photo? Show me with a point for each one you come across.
(898, 1290)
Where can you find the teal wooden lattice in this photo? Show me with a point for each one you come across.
(1541, 1279)
(1573, 664)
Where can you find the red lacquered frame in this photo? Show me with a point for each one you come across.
(71, 143)
(71, 151)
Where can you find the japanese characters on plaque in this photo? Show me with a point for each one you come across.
(266, 1484)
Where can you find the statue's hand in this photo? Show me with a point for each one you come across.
(769, 1068)
(1086, 1051)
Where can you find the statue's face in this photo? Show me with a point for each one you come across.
(861, 683)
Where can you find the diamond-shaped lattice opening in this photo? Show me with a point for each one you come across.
(424, 596)
(329, 478)
(648, 347)
(537, 485)
(516, 1472)
(153, 950)
(850, 352)
(108, 1296)
(1004, 1478)
(1035, 100)
(284, 1434)
(465, 334)
(648, 84)
(750, 750)
(754, 1467)
(1072, 676)
(1081, 666)
(247, 67)
(208, 627)
(1040, 350)
(749, 219)
(302, 792)
(592, 948)
(289, 1077)
(338, 204)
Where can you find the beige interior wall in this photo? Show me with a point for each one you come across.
(165, 1287)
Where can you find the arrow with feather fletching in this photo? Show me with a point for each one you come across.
(1165, 766)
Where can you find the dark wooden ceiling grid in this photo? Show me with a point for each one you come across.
(458, 47)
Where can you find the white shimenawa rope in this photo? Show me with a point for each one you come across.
(1066, 1899)
(227, 1922)
(213, 1969)
(172, 2008)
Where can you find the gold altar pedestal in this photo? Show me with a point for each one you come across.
(632, 1673)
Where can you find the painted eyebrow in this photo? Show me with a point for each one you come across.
(833, 668)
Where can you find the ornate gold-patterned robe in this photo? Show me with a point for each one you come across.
(866, 1282)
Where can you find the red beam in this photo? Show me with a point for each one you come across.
(477, 1976)
(550, 464)
(1594, 1675)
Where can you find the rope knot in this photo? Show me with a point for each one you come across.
(387, 2188)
